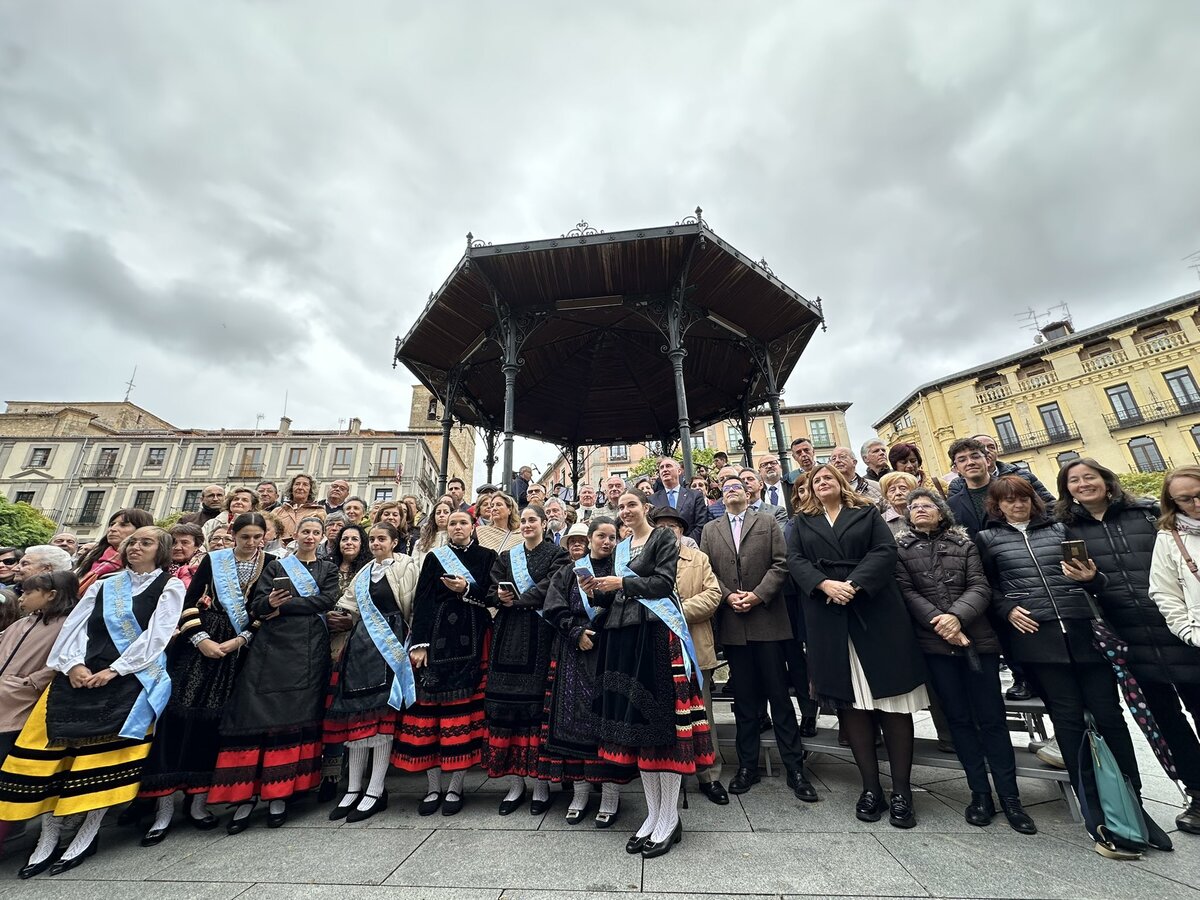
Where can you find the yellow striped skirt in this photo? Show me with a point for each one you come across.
(37, 777)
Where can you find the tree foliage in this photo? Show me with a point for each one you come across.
(649, 464)
(1143, 484)
(169, 521)
(23, 526)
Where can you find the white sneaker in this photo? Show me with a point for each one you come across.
(1051, 755)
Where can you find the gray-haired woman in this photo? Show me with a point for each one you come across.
(942, 579)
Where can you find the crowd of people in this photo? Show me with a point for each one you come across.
(273, 644)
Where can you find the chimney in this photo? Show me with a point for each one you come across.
(285, 425)
(1052, 331)
(355, 425)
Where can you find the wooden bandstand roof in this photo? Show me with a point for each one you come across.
(589, 307)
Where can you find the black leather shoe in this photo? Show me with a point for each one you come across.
(635, 844)
(801, 786)
(39, 868)
(206, 823)
(380, 804)
(1189, 820)
(605, 820)
(575, 816)
(1016, 815)
(808, 726)
(715, 791)
(537, 807)
(453, 803)
(237, 826)
(155, 836)
(980, 810)
(276, 820)
(742, 781)
(650, 849)
(508, 807)
(343, 809)
(66, 865)
(869, 807)
(429, 806)
(1157, 838)
(901, 813)
(1019, 691)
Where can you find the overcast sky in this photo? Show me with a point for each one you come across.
(243, 199)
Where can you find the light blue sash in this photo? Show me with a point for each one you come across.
(394, 653)
(585, 562)
(668, 612)
(301, 577)
(229, 589)
(124, 629)
(520, 569)
(452, 564)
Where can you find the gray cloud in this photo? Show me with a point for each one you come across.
(266, 193)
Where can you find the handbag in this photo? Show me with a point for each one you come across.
(1110, 806)
(1187, 557)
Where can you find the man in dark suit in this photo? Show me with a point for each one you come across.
(754, 494)
(691, 505)
(749, 557)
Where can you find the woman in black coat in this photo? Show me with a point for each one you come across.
(1050, 614)
(1120, 531)
(942, 580)
(271, 729)
(863, 659)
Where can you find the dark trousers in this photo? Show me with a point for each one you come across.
(760, 676)
(1074, 687)
(973, 706)
(797, 673)
(1163, 701)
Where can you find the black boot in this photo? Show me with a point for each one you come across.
(1189, 820)
(1016, 815)
(981, 809)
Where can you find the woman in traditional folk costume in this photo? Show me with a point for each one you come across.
(570, 729)
(84, 745)
(650, 703)
(373, 678)
(520, 659)
(451, 629)
(271, 729)
(205, 660)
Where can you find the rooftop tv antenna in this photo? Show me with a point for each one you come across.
(129, 385)
(1193, 261)
(1036, 321)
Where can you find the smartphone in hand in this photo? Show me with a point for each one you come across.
(283, 583)
(1074, 551)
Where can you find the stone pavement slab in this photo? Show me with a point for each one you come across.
(44, 888)
(363, 892)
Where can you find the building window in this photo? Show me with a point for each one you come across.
(143, 500)
(297, 456)
(1124, 407)
(1006, 433)
(191, 501)
(1146, 456)
(431, 412)
(618, 451)
(24, 497)
(1052, 420)
(818, 431)
(772, 444)
(697, 441)
(623, 475)
(733, 436)
(90, 514)
(382, 494)
(1196, 435)
(204, 458)
(156, 457)
(1183, 389)
(39, 457)
(387, 460)
(1065, 457)
(342, 457)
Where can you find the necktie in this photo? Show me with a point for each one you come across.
(737, 532)
(671, 498)
(556, 537)
(774, 495)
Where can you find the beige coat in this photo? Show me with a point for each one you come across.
(289, 516)
(24, 675)
(701, 596)
(402, 576)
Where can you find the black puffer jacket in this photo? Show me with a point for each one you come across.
(942, 573)
(1122, 545)
(1025, 570)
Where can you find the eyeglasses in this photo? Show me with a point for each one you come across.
(11, 561)
(919, 506)
(1191, 498)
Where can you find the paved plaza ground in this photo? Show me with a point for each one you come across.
(764, 844)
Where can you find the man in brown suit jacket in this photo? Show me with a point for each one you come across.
(749, 557)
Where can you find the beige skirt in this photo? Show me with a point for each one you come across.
(914, 701)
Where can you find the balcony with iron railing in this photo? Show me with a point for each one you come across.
(819, 443)
(384, 472)
(1152, 465)
(246, 471)
(1158, 411)
(82, 516)
(101, 470)
(1033, 440)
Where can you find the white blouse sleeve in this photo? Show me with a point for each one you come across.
(70, 647)
(153, 641)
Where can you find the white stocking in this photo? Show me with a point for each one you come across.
(456, 782)
(580, 799)
(277, 807)
(51, 831)
(86, 833)
(541, 791)
(379, 763)
(434, 776)
(653, 794)
(516, 787)
(200, 806)
(668, 810)
(244, 809)
(356, 756)
(163, 812)
(610, 797)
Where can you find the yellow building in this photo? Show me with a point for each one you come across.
(823, 423)
(1124, 392)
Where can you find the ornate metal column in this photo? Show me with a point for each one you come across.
(575, 464)
(744, 427)
(680, 317)
(454, 380)
(490, 435)
(511, 333)
(761, 355)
